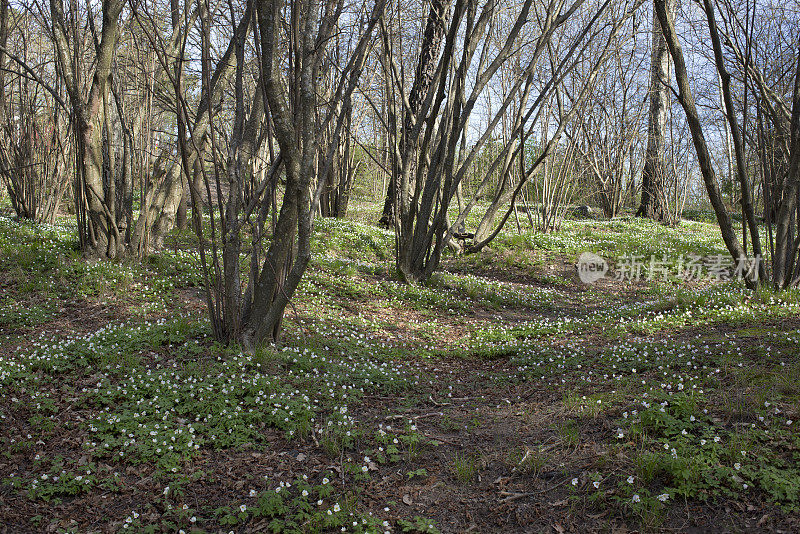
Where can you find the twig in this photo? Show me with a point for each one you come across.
(509, 497)
(430, 398)
(422, 416)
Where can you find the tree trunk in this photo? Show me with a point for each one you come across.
(786, 246)
(654, 199)
(97, 226)
(430, 49)
(160, 217)
(693, 119)
(290, 250)
(746, 194)
(3, 43)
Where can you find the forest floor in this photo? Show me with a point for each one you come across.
(504, 395)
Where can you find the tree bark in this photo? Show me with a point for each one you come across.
(283, 265)
(786, 246)
(430, 49)
(97, 226)
(654, 199)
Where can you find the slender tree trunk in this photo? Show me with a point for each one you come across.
(786, 246)
(746, 194)
(289, 251)
(3, 59)
(695, 126)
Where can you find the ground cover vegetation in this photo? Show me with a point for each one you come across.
(382, 266)
(502, 395)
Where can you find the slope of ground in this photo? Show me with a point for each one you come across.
(503, 396)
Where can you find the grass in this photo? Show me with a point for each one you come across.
(500, 387)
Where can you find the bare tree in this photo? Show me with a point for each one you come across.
(430, 50)
(686, 99)
(97, 225)
(608, 138)
(654, 196)
(242, 188)
(34, 147)
(424, 196)
(428, 175)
